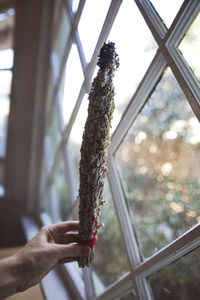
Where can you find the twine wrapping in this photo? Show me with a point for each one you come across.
(96, 140)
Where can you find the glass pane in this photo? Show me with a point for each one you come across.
(61, 31)
(73, 82)
(2, 190)
(179, 280)
(61, 188)
(167, 9)
(53, 137)
(135, 54)
(110, 261)
(4, 112)
(6, 58)
(159, 165)
(6, 32)
(190, 45)
(91, 22)
(75, 139)
(5, 83)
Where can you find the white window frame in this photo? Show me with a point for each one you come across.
(167, 54)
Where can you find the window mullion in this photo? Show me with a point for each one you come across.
(123, 214)
(6, 69)
(84, 64)
(139, 98)
(88, 74)
(46, 164)
(182, 72)
(66, 134)
(143, 288)
(76, 35)
(89, 288)
(74, 280)
(66, 52)
(117, 288)
(181, 246)
(152, 19)
(112, 12)
(182, 22)
(59, 114)
(74, 17)
(126, 227)
(46, 156)
(56, 162)
(185, 77)
(53, 205)
(74, 113)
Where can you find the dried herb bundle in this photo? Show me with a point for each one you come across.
(96, 141)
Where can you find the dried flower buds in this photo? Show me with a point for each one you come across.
(96, 140)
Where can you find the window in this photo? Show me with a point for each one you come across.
(152, 234)
(6, 64)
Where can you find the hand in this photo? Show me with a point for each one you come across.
(52, 245)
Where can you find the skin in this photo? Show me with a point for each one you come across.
(55, 244)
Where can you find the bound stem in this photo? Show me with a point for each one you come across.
(96, 140)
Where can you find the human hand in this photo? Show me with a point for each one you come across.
(52, 245)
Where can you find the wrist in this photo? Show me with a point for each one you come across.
(10, 274)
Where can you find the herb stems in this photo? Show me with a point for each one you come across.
(96, 140)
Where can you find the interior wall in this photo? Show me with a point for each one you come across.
(26, 118)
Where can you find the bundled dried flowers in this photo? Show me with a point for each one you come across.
(96, 140)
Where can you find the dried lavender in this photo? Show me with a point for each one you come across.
(96, 141)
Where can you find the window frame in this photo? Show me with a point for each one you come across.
(167, 54)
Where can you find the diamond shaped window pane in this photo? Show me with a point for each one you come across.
(167, 9)
(190, 46)
(159, 165)
(136, 49)
(72, 85)
(110, 261)
(91, 23)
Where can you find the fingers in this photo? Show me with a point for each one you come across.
(65, 226)
(73, 250)
(69, 238)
